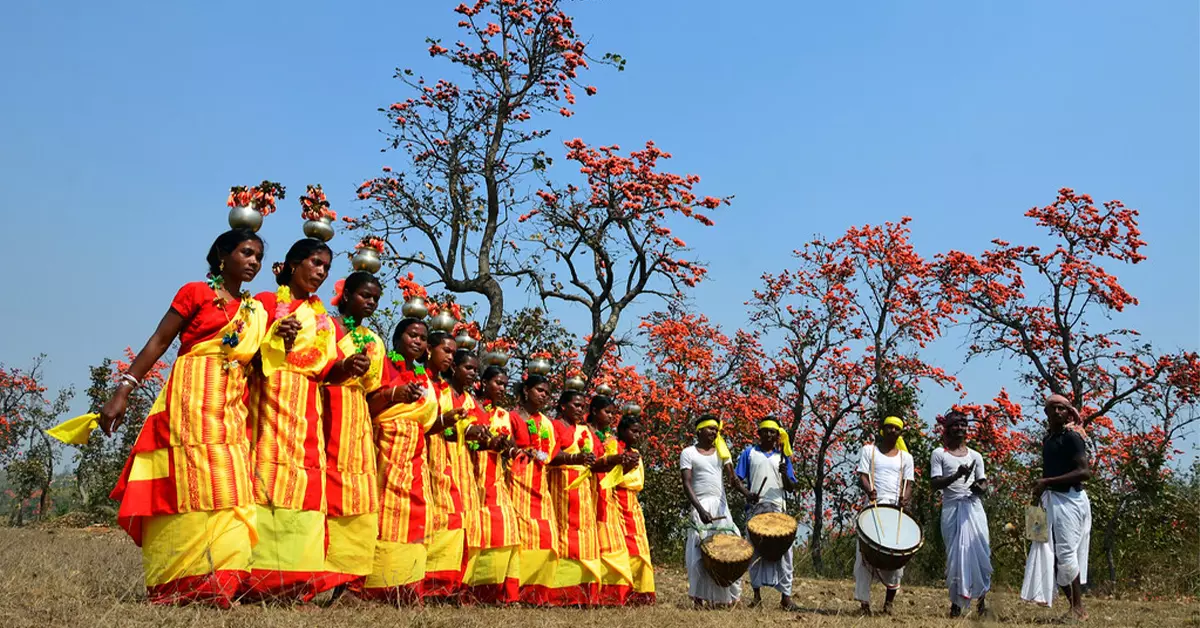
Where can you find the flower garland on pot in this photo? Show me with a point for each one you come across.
(314, 205)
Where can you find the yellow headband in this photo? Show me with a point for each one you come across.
(771, 424)
(722, 447)
(900, 424)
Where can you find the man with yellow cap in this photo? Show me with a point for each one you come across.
(703, 467)
(885, 472)
(766, 469)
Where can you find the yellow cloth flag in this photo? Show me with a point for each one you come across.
(76, 431)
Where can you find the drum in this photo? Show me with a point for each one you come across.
(772, 533)
(726, 557)
(887, 536)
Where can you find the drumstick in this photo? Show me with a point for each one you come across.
(874, 510)
(758, 493)
(899, 508)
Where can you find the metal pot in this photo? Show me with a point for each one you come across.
(367, 259)
(575, 383)
(539, 366)
(414, 308)
(245, 217)
(496, 358)
(443, 322)
(319, 229)
(465, 341)
(605, 390)
(631, 409)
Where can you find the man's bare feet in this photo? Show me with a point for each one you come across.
(864, 610)
(887, 608)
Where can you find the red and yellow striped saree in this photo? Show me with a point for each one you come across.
(493, 542)
(351, 486)
(445, 538)
(577, 575)
(616, 577)
(289, 454)
(530, 492)
(185, 493)
(399, 565)
(634, 526)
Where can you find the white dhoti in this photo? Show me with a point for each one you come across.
(700, 584)
(968, 550)
(865, 573)
(1065, 556)
(775, 574)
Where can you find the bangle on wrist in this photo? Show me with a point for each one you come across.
(126, 378)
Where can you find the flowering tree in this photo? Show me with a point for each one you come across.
(611, 237)
(1042, 308)
(850, 321)
(28, 453)
(469, 145)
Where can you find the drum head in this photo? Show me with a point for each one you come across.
(879, 525)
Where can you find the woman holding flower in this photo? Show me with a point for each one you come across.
(533, 436)
(493, 544)
(577, 578)
(185, 493)
(403, 408)
(351, 490)
(298, 354)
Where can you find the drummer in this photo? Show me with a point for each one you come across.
(885, 473)
(703, 467)
(766, 469)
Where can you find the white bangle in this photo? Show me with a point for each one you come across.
(126, 378)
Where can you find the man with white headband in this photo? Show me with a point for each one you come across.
(885, 473)
(765, 468)
(1068, 512)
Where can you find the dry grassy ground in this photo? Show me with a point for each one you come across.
(91, 577)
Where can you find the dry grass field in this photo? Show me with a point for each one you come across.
(91, 577)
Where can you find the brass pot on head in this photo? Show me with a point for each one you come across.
(245, 217)
(319, 229)
(496, 358)
(414, 308)
(366, 258)
(539, 366)
(443, 322)
(631, 409)
(575, 382)
(465, 341)
(605, 390)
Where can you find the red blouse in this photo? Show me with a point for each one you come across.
(196, 302)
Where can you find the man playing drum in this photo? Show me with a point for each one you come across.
(703, 469)
(885, 473)
(766, 469)
(1068, 512)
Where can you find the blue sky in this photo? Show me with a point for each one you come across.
(124, 123)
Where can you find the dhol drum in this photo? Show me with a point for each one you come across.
(726, 557)
(887, 536)
(772, 533)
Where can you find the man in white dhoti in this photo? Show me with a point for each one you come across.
(885, 473)
(957, 471)
(765, 468)
(703, 467)
(1068, 512)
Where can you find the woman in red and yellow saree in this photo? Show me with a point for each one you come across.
(404, 408)
(616, 577)
(493, 544)
(185, 493)
(577, 575)
(351, 489)
(298, 354)
(633, 523)
(533, 435)
(446, 537)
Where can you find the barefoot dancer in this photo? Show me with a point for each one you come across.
(883, 470)
(703, 467)
(766, 468)
(957, 471)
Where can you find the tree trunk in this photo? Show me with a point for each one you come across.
(495, 297)
(818, 519)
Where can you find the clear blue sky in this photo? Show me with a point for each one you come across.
(122, 125)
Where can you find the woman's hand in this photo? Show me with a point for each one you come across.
(629, 459)
(287, 330)
(356, 365)
(587, 459)
(112, 413)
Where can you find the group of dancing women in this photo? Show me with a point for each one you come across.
(291, 452)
